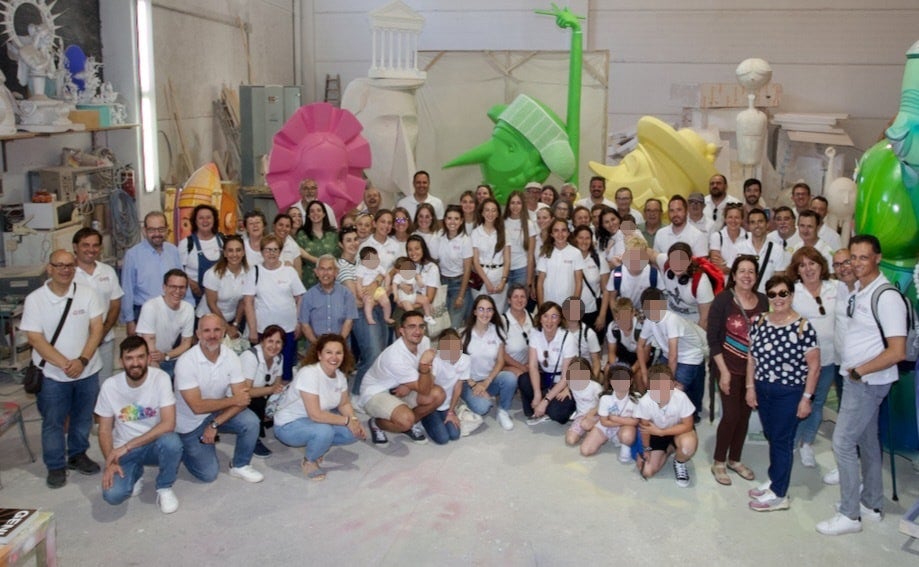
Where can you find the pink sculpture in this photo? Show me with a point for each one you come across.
(322, 143)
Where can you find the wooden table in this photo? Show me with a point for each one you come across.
(37, 541)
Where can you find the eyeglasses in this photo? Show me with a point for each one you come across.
(850, 308)
(273, 250)
(820, 305)
(837, 265)
(156, 230)
(62, 266)
(175, 287)
(401, 220)
(773, 294)
(485, 310)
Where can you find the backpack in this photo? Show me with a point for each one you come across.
(617, 277)
(714, 273)
(912, 348)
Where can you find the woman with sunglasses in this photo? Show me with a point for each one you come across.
(484, 336)
(543, 390)
(782, 374)
(729, 322)
(723, 244)
(815, 298)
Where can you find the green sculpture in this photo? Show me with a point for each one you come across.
(529, 140)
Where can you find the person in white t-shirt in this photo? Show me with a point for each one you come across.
(666, 424)
(622, 335)
(315, 411)
(421, 182)
(544, 390)
(372, 284)
(223, 286)
(616, 413)
(637, 273)
(137, 417)
(520, 232)
(586, 390)
(453, 251)
(451, 370)
(167, 323)
(560, 266)
(679, 230)
(201, 249)
(724, 244)
(683, 346)
(688, 288)
(262, 367)
(491, 252)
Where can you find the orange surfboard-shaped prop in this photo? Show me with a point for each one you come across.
(204, 188)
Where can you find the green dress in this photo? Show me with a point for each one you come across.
(328, 244)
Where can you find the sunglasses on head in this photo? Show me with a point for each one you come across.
(773, 294)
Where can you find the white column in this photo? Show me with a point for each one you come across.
(390, 48)
(373, 42)
(400, 61)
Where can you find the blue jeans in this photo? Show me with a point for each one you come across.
(57, 401)
(372, 341)
(807, 429)
(692, 378)
(457, 316)
(856, 437)
(518, 276)
(169, 368)
(504, 386)
(440, 432)
(201, 458)
(778, 409)
(318, 438)
(290, 356)
(165, 452)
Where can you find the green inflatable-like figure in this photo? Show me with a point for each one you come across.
(529, 140)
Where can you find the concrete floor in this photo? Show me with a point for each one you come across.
(494, 498)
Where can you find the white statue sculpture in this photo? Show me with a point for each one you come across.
(840, 195)
(752, 74)
(35, 55)
(7, 109)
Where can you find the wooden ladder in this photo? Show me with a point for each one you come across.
(333, 89)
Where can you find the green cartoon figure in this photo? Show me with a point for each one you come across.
(529, 140)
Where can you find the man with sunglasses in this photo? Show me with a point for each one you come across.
(717, 200)
(697, 216)
(874, 343)
(145, 264)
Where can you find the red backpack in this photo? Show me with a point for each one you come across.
(714, 273)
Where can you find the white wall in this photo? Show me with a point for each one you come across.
(829, 55)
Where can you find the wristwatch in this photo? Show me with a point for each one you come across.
(84, 361)
(166, 358)
(809, 397)
(214, 424)
(854, 375)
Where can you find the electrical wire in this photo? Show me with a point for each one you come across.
(125, 226)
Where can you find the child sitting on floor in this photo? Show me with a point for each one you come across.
(616, 412)
(585, 390)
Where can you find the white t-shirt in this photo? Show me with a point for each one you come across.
(705, 225)
(830, 236)
(105, 281)
(410, 203)
(587, 398)
(585, 341)
(678, 408)
(430, 238)
(210, 249)
(680, 298)
(229, 290)
(312, 380)
(772, 263)
(558, 350)
(513, 232)
(396, 365)
(447, 374)
(290, 251)
(632, 286)
(863, 339)
(588, 203)
(136, 410)
(213, 379)
(695, 238)
(842, 320)
(485, 348)
(729, 248)
(451, 252)
(367, 275)
(483, 244)
(788, 246)
(690, 345)
(164, 323)
(42, 312)
(610, 405)
(517, 345)
(560, 268)
(806, 305)
(628, 339)
(616, 247)
(388, 251)
(820, 246)
(275, 295)
(253, 257)
(255, 368)
(592, 274)
(710, 208)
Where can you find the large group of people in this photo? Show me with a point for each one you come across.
(604, 318)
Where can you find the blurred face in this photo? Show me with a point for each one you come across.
(809, 271)
(87, 250)
(653, 212)
(620, 383)
(655, 309)
(421, 183)
(745, 276)
(752, 194)
(234, 252)
(550, 319)
(578, 378)
(482, 193)
(407, 273)
(414, 252)
(717, 187)
(624, 317)
(560, 234)
(802, 197)
(865, 262)
(364, 226)
(383, 226)
(573, 309)
(733, 218)
(255, 228)
(629, 227)
(135, 363)
(350, 244)
(583, 240)
(326, 271)
(679, 262)
(581, 217)
(272, 345)
(424, 219)
(453, 220)
(548, 197)
(174, 290)
(155, 231)
(490, 213)
(484, 311)
(677, 212)
(757, 225)
(842, 266)
(634, 260)
(330, 357)
(785, 223)
(371, 261)
(518, 300)
(449, 349)
(597, 187)
(282, 228)
(205, 221)
(660, 389)
(807, 229)
(623, 200)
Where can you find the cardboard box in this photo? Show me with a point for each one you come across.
(89, 118)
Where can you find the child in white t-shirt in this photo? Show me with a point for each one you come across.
(372, 283)
(585, 390)
(409, 288)
(665, 418)
(450, 369)
(616, 412)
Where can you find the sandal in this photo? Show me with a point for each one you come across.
(742, 470)
(312, 470)
(640, 462)
(721, 474)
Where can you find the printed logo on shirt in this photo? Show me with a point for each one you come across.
(77, 312)
(136, 412)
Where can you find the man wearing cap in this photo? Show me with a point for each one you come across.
(717, 200)
(597, 194)
(697, 216)
(422, 184)
(533, 190)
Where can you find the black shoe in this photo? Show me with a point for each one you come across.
(376, 434)
(261, 450)
(416, 434)
(56, 478)
(83, 464)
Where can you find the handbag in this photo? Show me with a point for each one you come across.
(475, 281)
(35, 375)
(469, 420)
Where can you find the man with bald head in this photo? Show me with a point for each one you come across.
(69, 362)
(203, 375)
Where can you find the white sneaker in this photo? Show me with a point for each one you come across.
(808, 458)
(430, 320)
(866, 512)
(504, 420)
(166, 500)
(138, 487)
(247, 473)
(537, 420)
(839, 525)
(831, 478)
(625, 454)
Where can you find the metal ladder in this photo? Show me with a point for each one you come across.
(333, 89)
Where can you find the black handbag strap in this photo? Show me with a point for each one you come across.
(60, 324)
